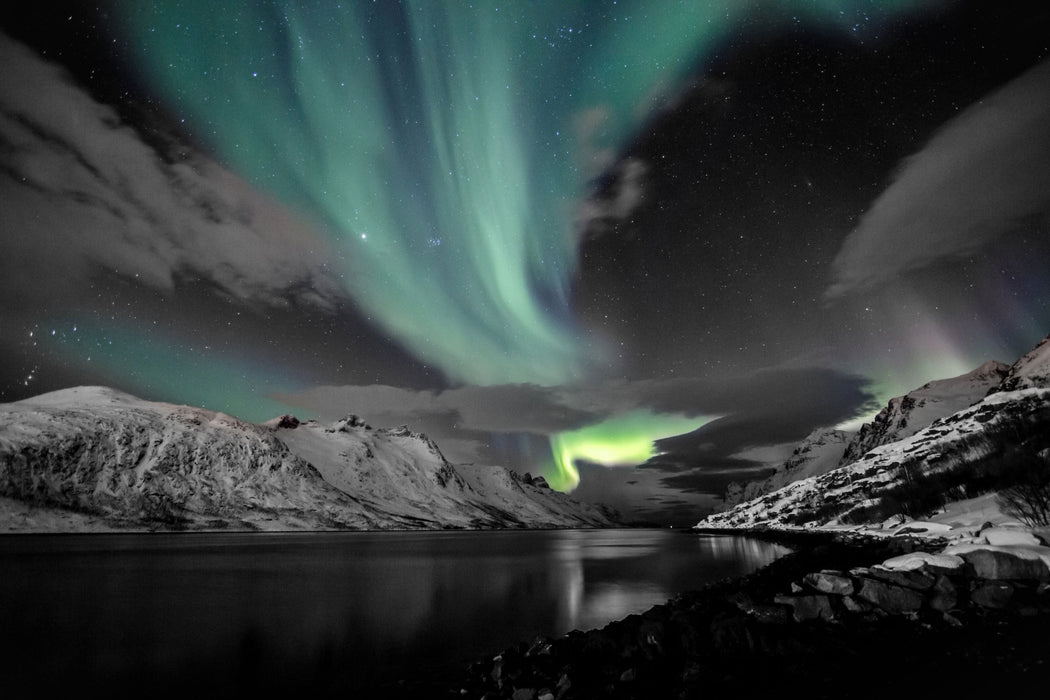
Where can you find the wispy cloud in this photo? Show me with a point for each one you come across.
(84, 191)
(769, 407)
(984, 174)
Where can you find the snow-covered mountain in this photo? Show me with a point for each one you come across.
(826, 448)
(820, 452)
(1015, 411)
(92, 456)
(962, 438)
(1032, 370)
(908, 414)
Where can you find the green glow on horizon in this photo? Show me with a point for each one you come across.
(158, 368)
(624, 440)
(444, 147)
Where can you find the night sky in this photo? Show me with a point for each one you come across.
(642, 248)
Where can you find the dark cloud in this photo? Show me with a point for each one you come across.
(766, 408)
(982, 175)
(763, 408)
(524, 408)
(641, 496)
(624, 192)
(84, 192)
(713, 483)
(798, 399)
(812, 396)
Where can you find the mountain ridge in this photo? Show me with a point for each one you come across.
(106, 454)
(1013, 414)
(901, 417)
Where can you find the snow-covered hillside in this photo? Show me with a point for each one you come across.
(116, 460)
(906, 415)
(819, 453)
(899, 448)
(1032, 370)
(962, 438)
(826, 448)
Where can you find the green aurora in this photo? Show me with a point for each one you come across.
(624, 440)
(446, 149)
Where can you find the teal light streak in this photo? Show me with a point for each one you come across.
(444, 145)
(153, 366)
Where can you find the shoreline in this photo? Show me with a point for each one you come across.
(750, 636)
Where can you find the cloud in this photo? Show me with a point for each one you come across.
(711, 482)
(797, 399)
(624, 193)
(768, 407)
(503, 408)
(84, 191)
(982, 175)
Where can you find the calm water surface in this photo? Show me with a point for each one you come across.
(328, 611)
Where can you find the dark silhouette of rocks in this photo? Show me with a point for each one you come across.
(822, 621)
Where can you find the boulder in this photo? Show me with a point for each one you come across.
(889, 597)
(996, 564)
(992, 594)
(288, 422)
(808, 607)
(831, 582)
(921, 560)
(916, 527)
(1008, 536)
(943, 594)
(856, 605)
(918, 580)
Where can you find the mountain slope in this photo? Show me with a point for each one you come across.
(818, 453)
(1015, 413)
(964, 438)
(826, 448)
(906, 415)
(99, 451)
(1032, 370)
(105, 454)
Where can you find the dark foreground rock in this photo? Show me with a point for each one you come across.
(821, 621)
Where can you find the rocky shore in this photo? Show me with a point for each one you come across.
(843, 616)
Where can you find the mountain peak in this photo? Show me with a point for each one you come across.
(127, 462)
(1030, 372)
(907, 414)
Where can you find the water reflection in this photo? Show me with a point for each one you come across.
(333, 611)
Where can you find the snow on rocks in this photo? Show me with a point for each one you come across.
(1009, 536)
(920, 560)
(960, 577)
(916, 527)
(1006, 561)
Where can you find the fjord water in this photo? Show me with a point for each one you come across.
(323, 611)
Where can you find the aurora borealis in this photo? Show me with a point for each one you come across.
(548, 234)
(623, 441)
